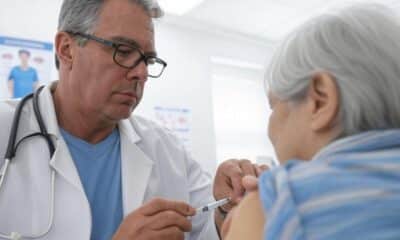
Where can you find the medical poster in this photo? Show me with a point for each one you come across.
(178, 120)
(24, 65)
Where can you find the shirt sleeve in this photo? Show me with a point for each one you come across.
(282, 217)
(342, 197)
(11, 75)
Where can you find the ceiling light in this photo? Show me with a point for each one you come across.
(178, 7)
(236, 63)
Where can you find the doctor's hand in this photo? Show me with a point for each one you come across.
(228, 183)
(228, 179)
(157, 219)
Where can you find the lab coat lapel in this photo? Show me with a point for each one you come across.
(64, 166)
(62, 161)
(136, 168)
(136, 165)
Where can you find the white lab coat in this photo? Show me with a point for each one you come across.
(154, 164)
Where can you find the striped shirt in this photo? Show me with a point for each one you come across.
(350, 190)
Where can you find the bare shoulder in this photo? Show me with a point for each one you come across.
(248, 219)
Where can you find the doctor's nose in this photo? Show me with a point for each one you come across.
(139, 72)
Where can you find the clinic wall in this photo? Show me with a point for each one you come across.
(188, 78)
(187, 82)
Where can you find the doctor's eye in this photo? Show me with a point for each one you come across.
(127, 52)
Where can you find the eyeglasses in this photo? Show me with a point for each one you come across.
(128, 56)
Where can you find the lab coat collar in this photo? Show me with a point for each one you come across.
(48, 112)
(46, 105)
(125, 127)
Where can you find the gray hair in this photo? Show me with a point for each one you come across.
(81, 15)
(359, 46)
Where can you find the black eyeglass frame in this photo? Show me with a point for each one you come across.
(116, 46)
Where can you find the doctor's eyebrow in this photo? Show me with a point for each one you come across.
(133, 43)
(125, 40)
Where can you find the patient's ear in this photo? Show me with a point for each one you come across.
(323, 102)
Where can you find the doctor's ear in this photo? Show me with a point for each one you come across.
(323, 97)
(64, 44)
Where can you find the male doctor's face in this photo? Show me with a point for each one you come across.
(104, 87)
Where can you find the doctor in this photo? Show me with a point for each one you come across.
(112, 175)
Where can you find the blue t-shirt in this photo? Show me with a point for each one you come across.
(99, 168)
(23, 80)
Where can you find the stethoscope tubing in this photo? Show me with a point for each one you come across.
(16, 235)
(10, 154)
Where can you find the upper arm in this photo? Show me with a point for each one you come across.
(11, 75)
(247, 220)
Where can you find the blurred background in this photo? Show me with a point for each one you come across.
(212, 94)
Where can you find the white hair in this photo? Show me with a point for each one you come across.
(359, 46)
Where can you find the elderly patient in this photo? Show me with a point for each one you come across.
(334, 90)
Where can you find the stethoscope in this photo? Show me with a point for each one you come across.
(12, 149)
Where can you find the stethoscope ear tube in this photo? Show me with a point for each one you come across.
(11, 147)
(43, 129)
(10, 153)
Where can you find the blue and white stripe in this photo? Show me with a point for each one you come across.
(349, 190)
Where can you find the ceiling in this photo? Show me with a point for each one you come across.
(266, 19)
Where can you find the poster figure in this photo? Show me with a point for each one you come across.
(24, 65)
(177, 120)
(23, 78)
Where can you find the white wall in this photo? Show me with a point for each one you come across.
(188, 79)
(241, 115)
(187, 48)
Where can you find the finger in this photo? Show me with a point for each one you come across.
(255, 167)
(247, 168)
(171, 233)
(238, 190)
(158, 205)
(261, 168)
(250, 183)
(228, 182)
(168, 219)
